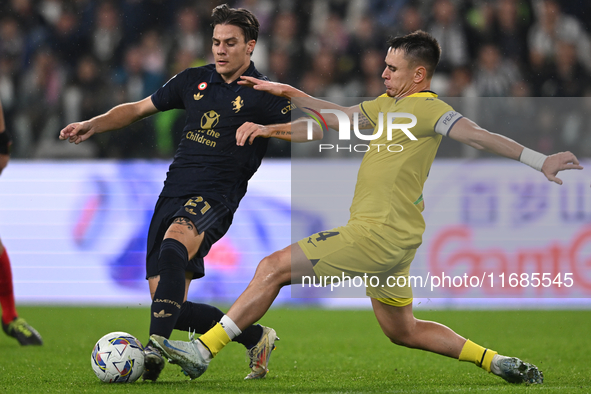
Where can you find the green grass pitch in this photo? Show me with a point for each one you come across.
(321, 351)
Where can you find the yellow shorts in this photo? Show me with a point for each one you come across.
(357, 251)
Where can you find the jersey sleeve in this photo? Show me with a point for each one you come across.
(371, 109)
(275, 110)
(170, 95)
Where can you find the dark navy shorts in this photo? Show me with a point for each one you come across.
(209, 216)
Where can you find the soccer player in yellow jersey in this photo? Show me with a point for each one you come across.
(386, 224)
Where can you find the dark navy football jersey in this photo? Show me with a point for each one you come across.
(207, 161)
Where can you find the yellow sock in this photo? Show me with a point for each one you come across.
(477, 354)
(215, 339)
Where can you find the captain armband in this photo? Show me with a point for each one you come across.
(532, 158)
(5, 142)
(446, 122)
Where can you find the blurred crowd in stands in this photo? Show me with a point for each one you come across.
(68, 60)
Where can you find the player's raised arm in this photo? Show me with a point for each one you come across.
(304, 101)
(469, 133)
(296, 131)
(116, 118)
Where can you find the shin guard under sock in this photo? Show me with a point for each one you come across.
(166, 305)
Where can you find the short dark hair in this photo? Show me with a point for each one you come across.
(244, 19)
(420, 48)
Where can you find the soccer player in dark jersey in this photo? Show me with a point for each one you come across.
(207, 178)
(12, 325)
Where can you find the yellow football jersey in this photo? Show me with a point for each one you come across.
(388, 193)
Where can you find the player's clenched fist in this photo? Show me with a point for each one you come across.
(77, 132)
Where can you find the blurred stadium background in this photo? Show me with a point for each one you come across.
(518, 67)
(66, 60)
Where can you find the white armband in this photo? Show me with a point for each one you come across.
(446, 122)
(532, 158)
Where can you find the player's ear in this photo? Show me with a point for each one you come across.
(420, 74)
(250, 46)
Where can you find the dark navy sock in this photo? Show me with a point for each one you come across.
(250, 336)
(201, 317)
(166, 305)
(198, 317)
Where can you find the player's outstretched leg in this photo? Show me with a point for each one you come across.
(261, 353)
(22, 332)
(399, 324)
(186, 354)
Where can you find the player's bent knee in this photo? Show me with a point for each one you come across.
(190, 239)
(274, 268)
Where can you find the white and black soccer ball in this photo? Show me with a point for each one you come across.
(118, 357)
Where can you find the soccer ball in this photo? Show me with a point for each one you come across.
(118, 357)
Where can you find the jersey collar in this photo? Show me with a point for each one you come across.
(217, 78)
(423, 93)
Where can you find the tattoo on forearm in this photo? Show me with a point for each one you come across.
(185, 222)
(282, 133)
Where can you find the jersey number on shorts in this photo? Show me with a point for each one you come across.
(193, 203)
(324, 235)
